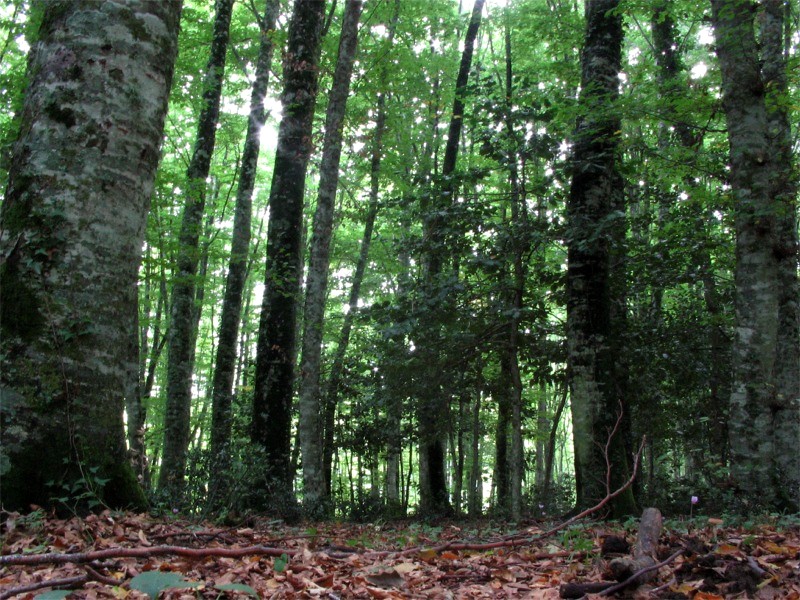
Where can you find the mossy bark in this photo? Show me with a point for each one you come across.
(764, 421)
(595, 274)
(277, 332)
(80, 180)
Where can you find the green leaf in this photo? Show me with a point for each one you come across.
(237, 587)
(54, 595)
(153, 583)
(281, 563)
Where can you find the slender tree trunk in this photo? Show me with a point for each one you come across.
(551, 447)
(475, 494)
(71, 232)
(277, 335)
(331, 391)
(182, 330)
(501, 476)
(520, 247)
(309, 428)
(542, 423)
(674, 129)
(595, 288)
(433, 405)
(221, 418)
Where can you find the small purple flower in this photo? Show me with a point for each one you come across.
(695, 499)
(174, 511)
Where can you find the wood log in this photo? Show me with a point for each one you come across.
(644, 551)
(579, 590)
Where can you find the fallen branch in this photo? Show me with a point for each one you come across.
(66, 582)
(88, 557)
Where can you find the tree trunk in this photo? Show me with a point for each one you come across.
(221, 417)
(759, 434)
(595, 287)
(80, 179)
(774, 49)
(755, 343)
(433, 405)
(475, 493)
(277, 334)
(315, 502)
(501, 476)
(520, 247)
(182, 330)
(331, 392)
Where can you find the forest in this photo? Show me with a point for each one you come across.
(370, 259)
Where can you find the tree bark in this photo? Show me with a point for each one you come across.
(595, 286)
(756, 436)
(71, 233)
(277, 334)
(221, 416)
(315, 502)
(784, 178)
(182, 329)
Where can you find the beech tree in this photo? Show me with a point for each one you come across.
(764, 424)
(73, 219)
(595, 273)
(310, 430)
(240, 253)
(277, 333)
(183, 321)
(433, 400)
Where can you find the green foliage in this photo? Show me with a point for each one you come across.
(679, 246)
(153, 583)
(54, 595)
(81, 494)
(280, 563)
(577, 539)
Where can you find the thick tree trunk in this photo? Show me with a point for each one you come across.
(595, 290)
(182, 330)
(73, 219)
(277, 334)
(221, 416)
(756, 436)
(774, 40)
(309, 427)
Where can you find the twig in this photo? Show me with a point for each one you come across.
(66, 582)
(97, 576)
(605, 500)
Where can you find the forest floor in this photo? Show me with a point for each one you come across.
(133, 556)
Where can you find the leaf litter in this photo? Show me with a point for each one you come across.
(128, 556)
